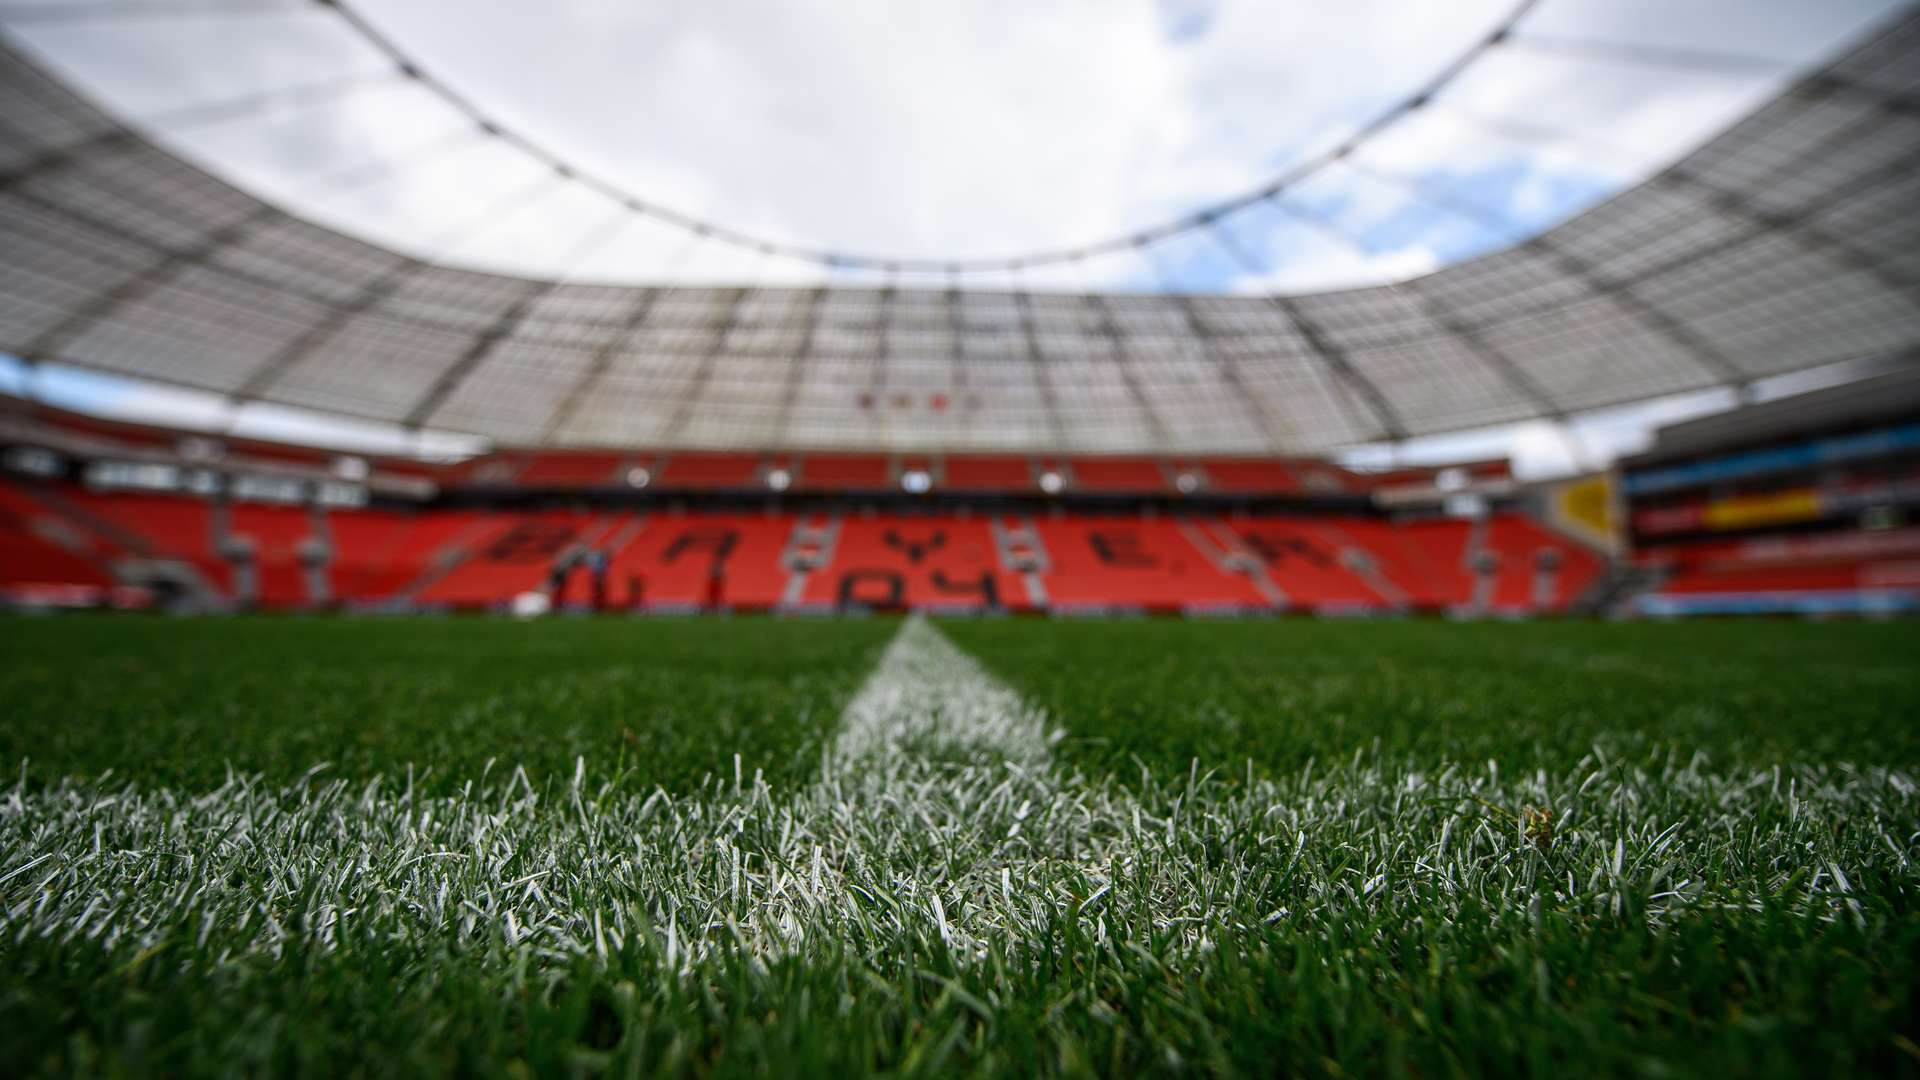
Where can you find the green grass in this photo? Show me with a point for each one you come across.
(180, 701)
(1409, 848)
(1528, 695)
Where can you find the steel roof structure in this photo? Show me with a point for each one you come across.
(1791, 240)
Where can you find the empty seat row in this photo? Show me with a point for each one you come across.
(1855, 585)
(287, 557)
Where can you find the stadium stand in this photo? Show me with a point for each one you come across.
(843, 472)
(697, 471)
(1125, 562)
(38, 551)
(1835, 578)
(1309, 563)
(1536, 569)
(169, 528)
(196, 517)
(970, 473)
(513, 554)
(1431, 561)
(1131, 475)
(985, 473)
(1793, 505)
(571, 470)
(34, 561)
(257, 450)
(276, 541)
(679, 559)
(1253, 477)
(370, 556)
(236, 523)
(902, 561)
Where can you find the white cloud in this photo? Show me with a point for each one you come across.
(923, 128)
(1317, 266)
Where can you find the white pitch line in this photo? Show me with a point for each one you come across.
(936, 814)
(981, 854)
(927, 699)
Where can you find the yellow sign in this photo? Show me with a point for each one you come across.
(1802, 504)
(1584, 508)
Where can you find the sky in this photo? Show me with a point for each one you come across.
(944, 130)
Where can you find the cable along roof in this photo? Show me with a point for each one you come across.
(1789, 241)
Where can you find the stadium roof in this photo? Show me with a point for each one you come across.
(1787, 242)
(1887, 396)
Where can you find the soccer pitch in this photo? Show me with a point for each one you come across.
(764, 846)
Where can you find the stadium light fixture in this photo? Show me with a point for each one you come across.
(1051, 482)
(779, 479)
(639, 477)
(916, 481)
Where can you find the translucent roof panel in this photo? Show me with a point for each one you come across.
(1790, 240)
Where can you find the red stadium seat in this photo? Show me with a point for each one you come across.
(1117, 474)
(276, 533)
(363, 564)
(1305, 560)
(1844, 575)
(1135, 562)
(1249, 477)
(176, 527)
(1518, 543)
(379, 553)
(468, 558)
(30, 554)
(1429, 560)
(280, 452)
(696, 470)
(844, 472)
(514, 556)
(677, 555)
(968, 473)
(572, 469)
(895, 561)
